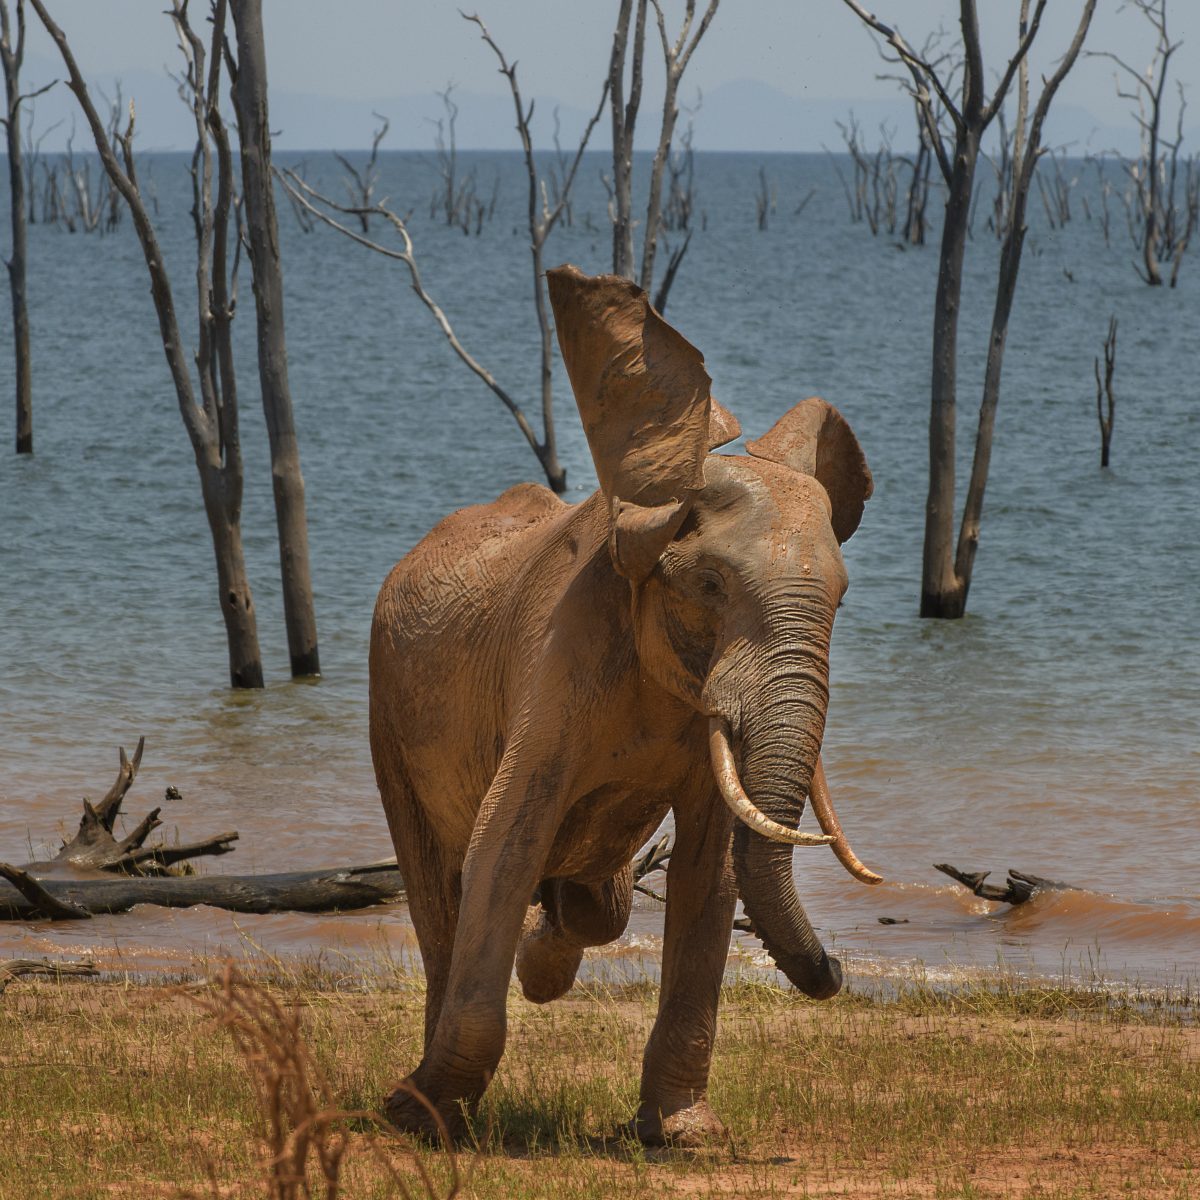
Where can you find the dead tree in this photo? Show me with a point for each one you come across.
(558, 174)
(876, 188)
(455, 198)
(920, 166)
(1056, 192)
(677, 53)
(1105, 190)
(94, 847)
(12, 56)
(78, 204)
(31, 155)
(211, 424)
(542, 216)
(262, 242)
(624, 122)
(1105, 391)
(946, 570)
(681, 178)
(1165, 226)
(764, 200)
(360, 185)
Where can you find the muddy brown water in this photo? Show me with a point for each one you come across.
(1053, 730)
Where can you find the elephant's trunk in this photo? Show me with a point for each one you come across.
(782, 721)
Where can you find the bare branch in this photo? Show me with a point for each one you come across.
(1017, 61)
(918, 67)
(304, 195)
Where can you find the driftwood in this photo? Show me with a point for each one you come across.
(95, 846)
(95, 872)
(1018, 887)
(11, 968)
(26, 898)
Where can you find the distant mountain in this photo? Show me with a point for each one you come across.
(742, 115)
(749, 115)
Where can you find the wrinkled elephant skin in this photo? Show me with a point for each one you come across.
(548, 681)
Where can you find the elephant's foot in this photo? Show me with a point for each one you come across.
(690, 1126)
(411, 1110)
(546, 961)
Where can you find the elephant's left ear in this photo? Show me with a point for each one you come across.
(814, 439)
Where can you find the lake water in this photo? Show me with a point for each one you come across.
(1053, 730)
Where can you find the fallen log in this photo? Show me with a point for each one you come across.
(25, 898)
(1017, 889)
(96, 873)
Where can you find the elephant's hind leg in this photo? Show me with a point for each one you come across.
(572, 917)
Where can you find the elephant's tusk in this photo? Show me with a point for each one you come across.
(740, 804)
(822, 805)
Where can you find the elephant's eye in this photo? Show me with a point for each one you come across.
(709, 583)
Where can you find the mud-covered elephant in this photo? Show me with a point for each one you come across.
(548, 681)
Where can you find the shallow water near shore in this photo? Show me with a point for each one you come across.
(1054, 730)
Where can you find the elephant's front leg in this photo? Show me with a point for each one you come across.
(513, 835)
(701, 895)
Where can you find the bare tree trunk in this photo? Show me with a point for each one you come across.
(250, 101)
(624, 120)
(676, 56)
(1105, 390)
(212, 425)
(941, 594)
(1023, 169)
(946, 569)
(12, 53)
(666, 132)
(1006, 286)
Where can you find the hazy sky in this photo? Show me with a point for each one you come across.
(368, 50)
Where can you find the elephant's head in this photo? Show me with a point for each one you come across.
(736, 576)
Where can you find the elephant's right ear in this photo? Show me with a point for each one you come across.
(643, 394)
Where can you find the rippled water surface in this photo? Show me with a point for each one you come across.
(1053, 730)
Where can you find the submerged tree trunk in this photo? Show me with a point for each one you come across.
(1105, 390)
(941, 593)
(250, 100)
(12, 53)
(945, 568)
(211, 424)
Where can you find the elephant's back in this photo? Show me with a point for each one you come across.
(458, 564)
(452, 619)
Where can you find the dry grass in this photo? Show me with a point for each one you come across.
(999, 1090)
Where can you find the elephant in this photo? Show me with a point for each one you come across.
(549, 680)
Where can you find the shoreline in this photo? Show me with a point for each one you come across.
(386, 966)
